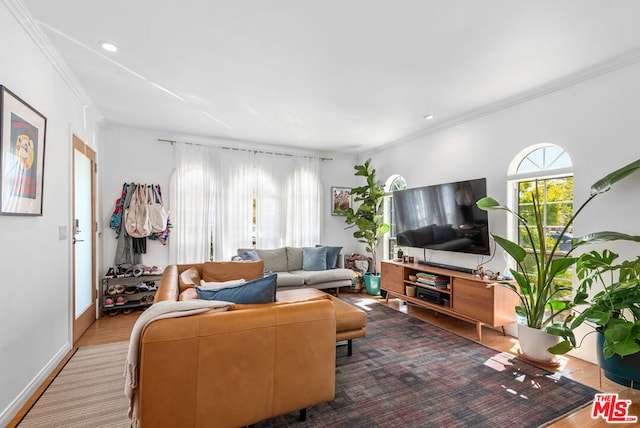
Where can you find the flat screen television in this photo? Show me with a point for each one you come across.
(443, 217)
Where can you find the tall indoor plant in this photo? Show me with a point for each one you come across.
(368, 217)
(613, 313)
(540, 305)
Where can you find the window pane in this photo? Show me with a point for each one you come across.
(545, 158)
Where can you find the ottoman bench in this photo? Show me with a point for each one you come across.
(351, 322)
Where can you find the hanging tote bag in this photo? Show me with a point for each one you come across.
(137, 220)
(158, 214)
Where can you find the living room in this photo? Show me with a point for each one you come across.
(590, 113)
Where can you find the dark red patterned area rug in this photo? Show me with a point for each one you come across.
(410, 373)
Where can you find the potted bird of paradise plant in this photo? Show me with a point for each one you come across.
(541, 302)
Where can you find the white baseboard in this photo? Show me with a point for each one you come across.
(14, 407)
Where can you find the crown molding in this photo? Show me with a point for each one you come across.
(31, 27)
(622, 61)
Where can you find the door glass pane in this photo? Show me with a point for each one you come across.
(82, 232)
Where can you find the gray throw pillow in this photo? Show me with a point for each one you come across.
(314, 258)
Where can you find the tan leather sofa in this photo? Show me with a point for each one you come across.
(351, 322)
(235, 368)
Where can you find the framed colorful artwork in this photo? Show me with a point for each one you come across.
(340, 199)
(22, 140)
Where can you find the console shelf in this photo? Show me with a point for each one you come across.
(469, 297)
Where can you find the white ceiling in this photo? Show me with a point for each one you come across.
(328, 75)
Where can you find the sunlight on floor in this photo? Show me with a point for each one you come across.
(365, 303)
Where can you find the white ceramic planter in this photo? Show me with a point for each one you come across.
(534, 344)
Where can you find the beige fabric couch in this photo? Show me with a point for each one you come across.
(287, 263)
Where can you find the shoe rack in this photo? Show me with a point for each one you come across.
(125, 294)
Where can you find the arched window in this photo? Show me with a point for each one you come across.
(550, 168)
(395, 182)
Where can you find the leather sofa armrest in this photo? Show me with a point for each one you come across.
(169, 285)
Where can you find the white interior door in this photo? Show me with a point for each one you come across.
(84, 289)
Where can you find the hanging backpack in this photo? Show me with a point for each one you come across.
(136, 216)
(158, 214)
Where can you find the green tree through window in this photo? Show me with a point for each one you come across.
(556, 197)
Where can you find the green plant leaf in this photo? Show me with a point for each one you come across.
(597, 316)
(560, 265)
(523, 282)
(605, 236)
(561, 348)
(488, 203)
(558, 305)
(516, 251)
(605, 183)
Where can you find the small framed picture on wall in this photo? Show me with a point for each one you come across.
(340, 199)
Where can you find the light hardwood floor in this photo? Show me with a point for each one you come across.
(109, 329)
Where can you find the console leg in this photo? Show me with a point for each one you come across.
(303, 415)
(479, 330)
(337, 291)
(504, 332)
(350, 347)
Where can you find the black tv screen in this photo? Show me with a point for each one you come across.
(443, 217)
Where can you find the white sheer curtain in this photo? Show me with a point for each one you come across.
(271, 173)
(236, 182)
(303, 203)
(191, 204)
(212, 195)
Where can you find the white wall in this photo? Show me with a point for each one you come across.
(595, 121)
(135, 155)
(35, 320)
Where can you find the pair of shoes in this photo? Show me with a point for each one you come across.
(110, 273)
(147, 299)
(156, 270)
(108, 302)
(120, 300)
(114, 312)
(111, 291)
(127, 311)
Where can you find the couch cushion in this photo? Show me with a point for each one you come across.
(189, 278)
(188, 294)
(318, 277)
(274, 260)
(250, 255)
(288, 279)
(348, 317)
(261, 290)
(226, 271)
(332, 256)
(294, 258)
(314, 258)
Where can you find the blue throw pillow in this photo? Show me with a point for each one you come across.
(261, 290)
(314, 258)
(251, 255)
(332, 256)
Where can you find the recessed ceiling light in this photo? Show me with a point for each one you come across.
(428, 117)
(108, 46)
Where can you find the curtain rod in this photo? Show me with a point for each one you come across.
(172, 142)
